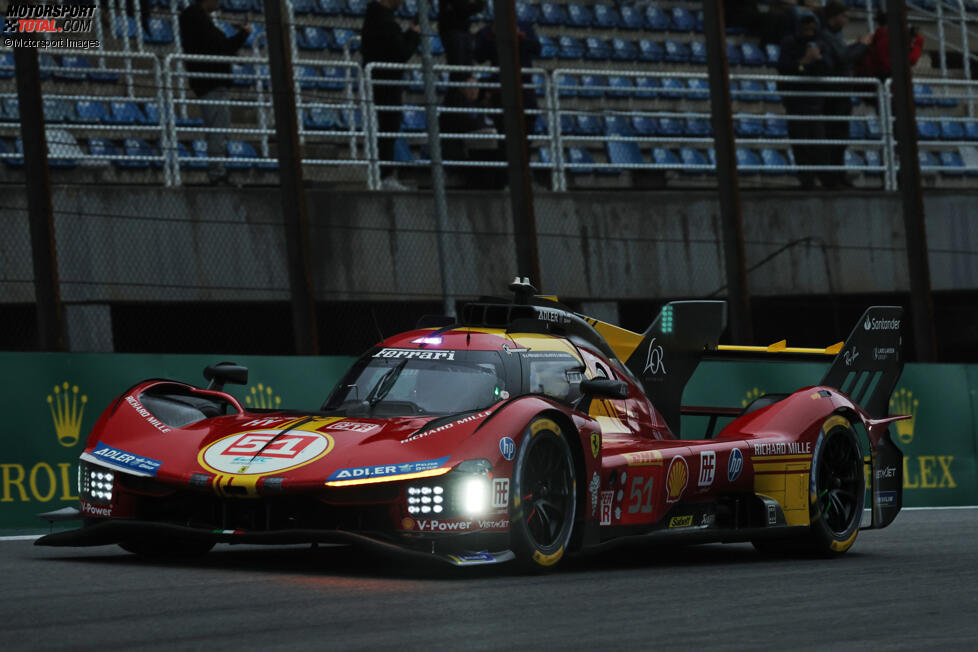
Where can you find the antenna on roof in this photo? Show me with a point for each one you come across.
(522, 290)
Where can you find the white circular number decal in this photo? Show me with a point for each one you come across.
(265, 451)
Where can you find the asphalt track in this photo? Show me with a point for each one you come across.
(912, 586)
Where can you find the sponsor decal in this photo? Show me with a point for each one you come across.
(593, 489)
(418, 354)
(643, 458)
(507, 447)
(734, 465)
(67, 409)
(494, 525)
(886, 498)
(510, 350)
(125, 460)
(595, 444)
(256, 452)
(884, 352)
(708, 520)
(620, 494)
(266, 421)
(435, 525)
(500, 492)
(681, 521)
(886, 472)
(552, 316)
(708, 468)
(873, 324)
(144, 413)
(387, 470)
(850, 356)
(443, 427)
(263, 398)
(782, 448)
(474, 557)
(606, 499)
(617, 513)
(655, 362)
(751, 396)
(95, 510)
(407, 523)
(351, 425)
(903, 402)
(677, 479)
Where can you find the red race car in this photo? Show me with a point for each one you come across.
(523, 433)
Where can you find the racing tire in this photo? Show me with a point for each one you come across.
(836, 489)
(161, 549)
(544, 497)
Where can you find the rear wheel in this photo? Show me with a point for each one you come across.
(837, 489)
(544, 496)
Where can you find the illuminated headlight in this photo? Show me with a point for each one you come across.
(95, 484)
(473, 495)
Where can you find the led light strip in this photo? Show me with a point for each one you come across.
(390, 478)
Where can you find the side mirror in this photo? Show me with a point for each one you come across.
(604, 388)
(225, 372)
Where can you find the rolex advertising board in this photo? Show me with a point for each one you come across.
(50, 401)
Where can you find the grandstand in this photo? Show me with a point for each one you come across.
(621, 87)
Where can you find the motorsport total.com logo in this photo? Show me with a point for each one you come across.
(22, 21)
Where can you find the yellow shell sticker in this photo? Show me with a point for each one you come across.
(595, 444)
(677, 478)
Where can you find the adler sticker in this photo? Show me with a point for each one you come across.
(265, 451)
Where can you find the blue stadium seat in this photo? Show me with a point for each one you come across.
(923, 95)
(622, 152)
(670, 127)
(971, 130)
(13, 155)
(580, 16)
(774, 162)
(952, 164)
(91, 112)
(152, 113)
(539, 83)
(750, 90)
(571, 47)
(618, 125)
(952, 130)
(621, 86)
(874, 130)
(597, 49)
(775, 127)
(592, 86)
(160, 31)
(414, 121)
(244, 74)
(303, 7)
(690, 156)
(334, 77)
(308, 77)
(772, 92)
(700, 89)
(657, 20)
(772, 53)
(355, 7)
(137, 147)
(854, 160)
(59, 111)
(748, 161)
(751, 55)
(568, 124)
(945, 101)
(47, 64)
(698, 127)
(10, 111)
(312, 38)
(623, 49)
(749, 127)
(676, 51)
(673, 89)
(527, 12)
(103, 147)
(645, 125)
(928, 161)
(335, 7)
(734, 58)
(666, 157)
(436, 46)
(928, 130)
(238, 6)
(343, 36)
(553, 14)
(125, 113)
(650, 51)
(567, 85)
(579, 161)
(857, 130)
(683, 20)
(74, 67)
(606, 17)
(873, 159)
(6, 65)
(631, 18)
(402, 151)
(63, 149)
(548, 49)
(647, 87)
(589, 125)
(125, 27)
(239, 149)
(697, 51)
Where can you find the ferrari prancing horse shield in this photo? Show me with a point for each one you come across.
(595, 444)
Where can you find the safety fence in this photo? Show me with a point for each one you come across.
(54, 400)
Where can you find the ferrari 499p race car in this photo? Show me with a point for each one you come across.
(523, 432)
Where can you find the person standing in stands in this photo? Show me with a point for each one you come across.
(842, 57)
(454, 25)
(876, 62)
(199, 35)
(802, 56)
(383, 40)
(528, 46)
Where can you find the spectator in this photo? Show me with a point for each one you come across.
(802, 56)
(876, 61)
(383, 40)
(454, 23)
(470, 121)
(484, 49)
(842, 58)
(199, 35)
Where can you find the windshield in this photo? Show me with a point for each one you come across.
(404, 382)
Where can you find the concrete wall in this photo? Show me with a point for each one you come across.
(126, 243)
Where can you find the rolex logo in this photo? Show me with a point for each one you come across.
(263, 398)
(903, 402)
(67, 409)
(751, 396)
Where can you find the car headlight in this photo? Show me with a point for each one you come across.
(473, 495)
(426, 499)
(464, 492)
(95, 484)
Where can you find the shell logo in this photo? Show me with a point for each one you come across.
(676, 479)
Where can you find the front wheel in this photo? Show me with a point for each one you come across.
(544, 496)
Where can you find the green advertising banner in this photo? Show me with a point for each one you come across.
(50, 402)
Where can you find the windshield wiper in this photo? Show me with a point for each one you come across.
(385, 384)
